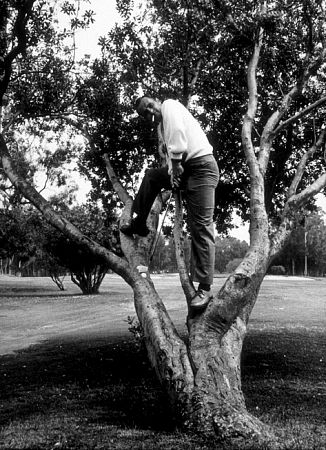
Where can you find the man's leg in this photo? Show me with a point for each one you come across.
(202, 180)
(153, 182)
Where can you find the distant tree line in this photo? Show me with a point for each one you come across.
(31, 247)
(304, 254)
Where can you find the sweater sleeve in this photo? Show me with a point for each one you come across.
(174, 129)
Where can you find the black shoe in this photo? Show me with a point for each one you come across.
(201, 299)
(134, 227)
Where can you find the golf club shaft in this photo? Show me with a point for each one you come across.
(160, 228)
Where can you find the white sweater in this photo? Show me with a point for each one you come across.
(182, 133)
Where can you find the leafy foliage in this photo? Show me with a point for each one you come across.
(17, 234)
(191, 53)
(227, 250)
(87, 270)
(178, 50)
(112, 131)
(40, 87)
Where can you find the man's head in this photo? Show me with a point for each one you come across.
(149, 109)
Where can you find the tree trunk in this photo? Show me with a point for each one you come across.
(58, 281)
(218, 403)
(167, 352)
(203, 377)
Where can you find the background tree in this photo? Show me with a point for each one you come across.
(26, 239)
(18, 237)
(160, 256)
(306, 246)
(270, 63)
(315, 229)
(52, 266)
(87, 270)
(227, 249)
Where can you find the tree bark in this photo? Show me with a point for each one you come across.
(203, 377)
(215, 344)
(218, 403)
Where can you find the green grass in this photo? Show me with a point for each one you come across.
(88, 390)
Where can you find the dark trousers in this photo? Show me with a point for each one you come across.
(199, 182)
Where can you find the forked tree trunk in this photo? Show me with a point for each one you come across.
(219, 402)
(203, 376)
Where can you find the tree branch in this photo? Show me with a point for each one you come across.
(297, 116)
(19, 31)
(259, 221)
(303, 162)
(267, 134)
(45, 183)
(252, 107)
(293, 204)
(298, 200)
(117, 186)
(55, 219)
(271, 130)
(194, 80)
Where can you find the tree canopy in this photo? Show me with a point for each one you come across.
(193, 53)
(190, 52)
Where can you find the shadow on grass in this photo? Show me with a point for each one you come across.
(91, 391)
(92, 379)
(283, 375)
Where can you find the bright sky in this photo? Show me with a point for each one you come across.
(86, 44)
(105, 18)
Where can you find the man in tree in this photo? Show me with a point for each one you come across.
(191, 167)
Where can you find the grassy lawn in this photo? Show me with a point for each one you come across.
(73, 377)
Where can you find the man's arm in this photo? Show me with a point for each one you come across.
(174, 129)
(177, 171)
(175, 138)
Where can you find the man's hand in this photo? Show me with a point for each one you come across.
(177, 171)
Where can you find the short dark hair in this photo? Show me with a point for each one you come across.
(139, 99)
